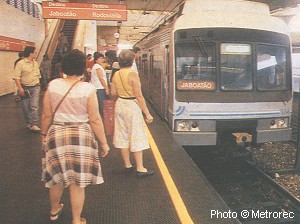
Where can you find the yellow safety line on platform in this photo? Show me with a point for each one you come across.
(172, 189)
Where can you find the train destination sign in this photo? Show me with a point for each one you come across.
(12, 44)
(85, 11)
(195, 85)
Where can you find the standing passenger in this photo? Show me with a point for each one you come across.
(46, 70)
(21, 56)
(70, 148)
(62, 43)
(27, 78)
(99, 80)
(57, 68)
(89, 65)
(130, 134)
(137, 51)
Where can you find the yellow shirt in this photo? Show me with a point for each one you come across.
(122, 77)
(28, 72)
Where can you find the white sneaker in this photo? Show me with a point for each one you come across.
(34, 128)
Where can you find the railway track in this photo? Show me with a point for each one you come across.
(252, 196)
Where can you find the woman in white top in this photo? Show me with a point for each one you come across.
(70, 155)
(99, 80)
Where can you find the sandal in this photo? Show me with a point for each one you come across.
(57, 215)
(82, 220)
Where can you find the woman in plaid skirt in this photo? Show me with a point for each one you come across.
(68, 134)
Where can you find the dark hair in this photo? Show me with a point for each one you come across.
(88, 55)
(97, 55)
(126, 58)
(111, 54)
(21, 55)
(28, 50)
(136, 49)
(74, 63)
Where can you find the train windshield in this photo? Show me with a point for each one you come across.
(196, 66)
(271, 68)
(239, 67)
(236, 67)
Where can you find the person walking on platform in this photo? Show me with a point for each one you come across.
(130, 133)
(27, 78)
(99, 80)
(21, 56)
(70, 122)
(46, 70)
(137, 51)
(89, 65)
(57, 69)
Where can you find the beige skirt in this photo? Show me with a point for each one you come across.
(130, 127)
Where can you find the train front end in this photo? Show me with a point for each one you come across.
(231, 76)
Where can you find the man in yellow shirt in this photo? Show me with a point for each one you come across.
(27, 78)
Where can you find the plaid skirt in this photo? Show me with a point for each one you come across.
(70, 156)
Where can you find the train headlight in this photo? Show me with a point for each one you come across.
(279, 123)
(182, 126)
(186, 125)
(282, 123)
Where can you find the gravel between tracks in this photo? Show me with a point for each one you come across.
(279, 156)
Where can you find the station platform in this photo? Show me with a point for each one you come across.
(177, 193)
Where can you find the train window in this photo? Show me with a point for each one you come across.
(144, 65)
(236, 67)
(271, 67)
(195, 66)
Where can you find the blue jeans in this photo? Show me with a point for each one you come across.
(101, 95)
(30, 106)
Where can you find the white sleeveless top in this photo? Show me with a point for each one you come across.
(74, 106)
(94, 76)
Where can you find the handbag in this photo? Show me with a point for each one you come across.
(109, 116)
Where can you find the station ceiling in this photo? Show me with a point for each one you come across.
(144, 15)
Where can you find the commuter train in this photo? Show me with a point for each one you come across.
(220, 68)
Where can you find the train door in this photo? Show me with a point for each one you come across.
(151, 84)
(144, 75)
(157, 76)
(166, 75)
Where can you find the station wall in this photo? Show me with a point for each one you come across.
(20, 25)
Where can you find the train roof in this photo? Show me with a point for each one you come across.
(229, 13)
(191, 6)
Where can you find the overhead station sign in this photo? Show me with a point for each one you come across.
(84, 11)
(12, 44)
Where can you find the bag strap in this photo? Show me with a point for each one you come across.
(63, 99)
